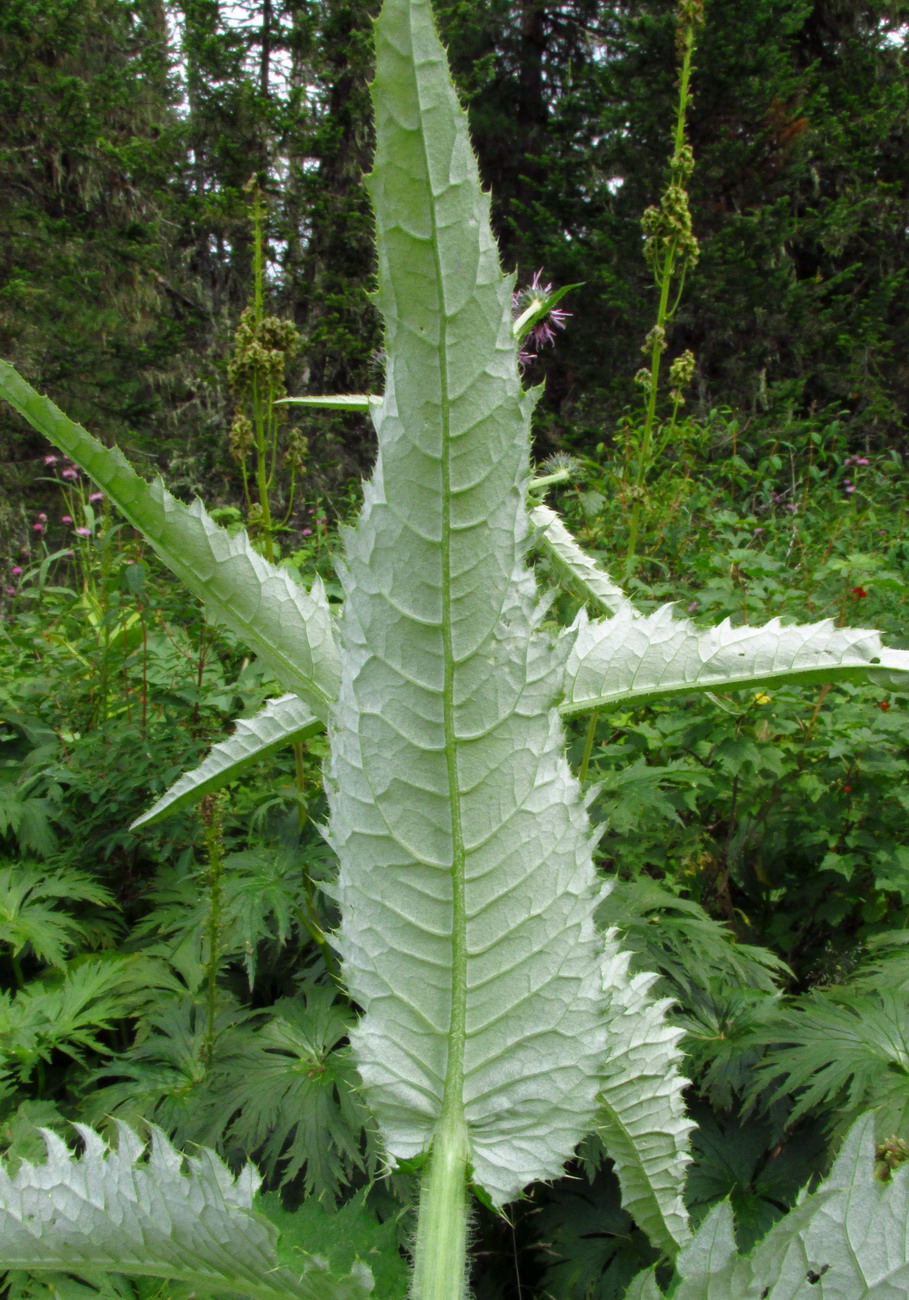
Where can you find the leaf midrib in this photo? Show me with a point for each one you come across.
(453, 1088)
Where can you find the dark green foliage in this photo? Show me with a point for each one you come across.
(342, 1236)
(841, 1048)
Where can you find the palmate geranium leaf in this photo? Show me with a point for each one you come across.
(634, 657)
(290, 628)
(842, 1047)
(849, 1240)
(281, 722)
(181, 1217)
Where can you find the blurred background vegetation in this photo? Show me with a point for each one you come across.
(128, 129)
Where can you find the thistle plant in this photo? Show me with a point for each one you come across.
(499, 1026)
(670, 250)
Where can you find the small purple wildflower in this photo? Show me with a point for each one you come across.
(11, 591)
(84, 532)
(42, 518)
(50, 460)
(96, 496)
(38, 527)
(693, 606)
(857, 460)
(70, 473)
(307, 532)
(66, 519)
(16, 570)
(543, 333)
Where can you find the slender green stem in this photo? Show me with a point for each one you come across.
(588, 745)
(214, 846)
(261, 468)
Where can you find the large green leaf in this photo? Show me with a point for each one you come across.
(281, 722)
(181, 1217)
(466, 878)
(289, 627)
(638, 657)
(849, 1240)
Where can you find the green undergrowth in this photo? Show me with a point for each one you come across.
(756, 840)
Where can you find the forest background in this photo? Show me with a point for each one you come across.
(130, 129)
(182, 974)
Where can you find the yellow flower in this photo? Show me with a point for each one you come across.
(762, 698)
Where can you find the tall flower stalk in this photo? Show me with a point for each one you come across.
(262, 346)
(670, 248)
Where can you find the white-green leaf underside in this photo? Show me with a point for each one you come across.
(642, 1120)
(281, 722)
(466, 880)
(290, 628)
(181, 1217)
(634, 657)
(555, 541)
(338, 402)
(849, 1240)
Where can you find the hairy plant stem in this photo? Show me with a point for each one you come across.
(441, 1248)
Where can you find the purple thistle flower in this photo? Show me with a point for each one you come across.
(50, 460)
(84, 532)
(38, 528)
(536, 285)
(96, 496)
(70, 473)
(16, 570)
(66, 519)
(542, 334)
(307, 532)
